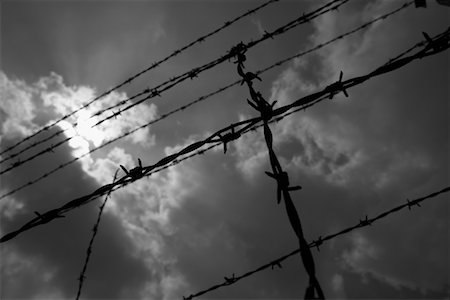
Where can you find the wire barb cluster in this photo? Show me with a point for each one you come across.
(266, 110)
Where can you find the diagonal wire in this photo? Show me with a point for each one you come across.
(317, 243)
(154, 65)
(82, 277)
(238, 128)
(156, 91)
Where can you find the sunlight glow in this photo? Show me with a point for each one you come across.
(82, 134)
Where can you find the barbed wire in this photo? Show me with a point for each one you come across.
(82, 276)
(235, 131)
(318, 242)
(154, 65)
(205, 97)
(222, 89)
(284, 188)
(172, 82)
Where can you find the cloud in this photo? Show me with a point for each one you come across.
(52, 99)
(27, 107)
(144, 209)
(258, 25)
(63, 99)
(337, 283)
(16, 108)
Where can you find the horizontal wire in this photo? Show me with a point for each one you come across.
(154, 65)
(180, 78)
(218, 139)
(317, 243)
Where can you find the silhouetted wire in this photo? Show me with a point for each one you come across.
(154, 65)
(320, 240)
(82, 276)
(156, 91)
(284, 188)
(230, 133)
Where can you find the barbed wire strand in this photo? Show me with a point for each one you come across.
(233, 132)
(284, 188)
(154, 65)
(319, 241)
(156, 91)
(82, 276)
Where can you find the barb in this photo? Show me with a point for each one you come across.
(152, 66)
(282, 178)
(172, 82)
(316, 243)
(82, 276)
(239, 127)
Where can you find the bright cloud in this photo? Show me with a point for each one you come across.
(17, 109)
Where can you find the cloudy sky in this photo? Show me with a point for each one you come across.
(186, 228)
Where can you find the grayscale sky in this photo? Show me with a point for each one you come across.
(184, 229)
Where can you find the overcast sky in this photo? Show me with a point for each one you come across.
(186, 228)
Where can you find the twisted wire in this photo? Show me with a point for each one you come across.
(225, 135)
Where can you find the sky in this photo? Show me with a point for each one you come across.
(182, 230)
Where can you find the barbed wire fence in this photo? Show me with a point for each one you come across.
(140, 73)
(268, 115)
(439, 43)
(204, 98)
